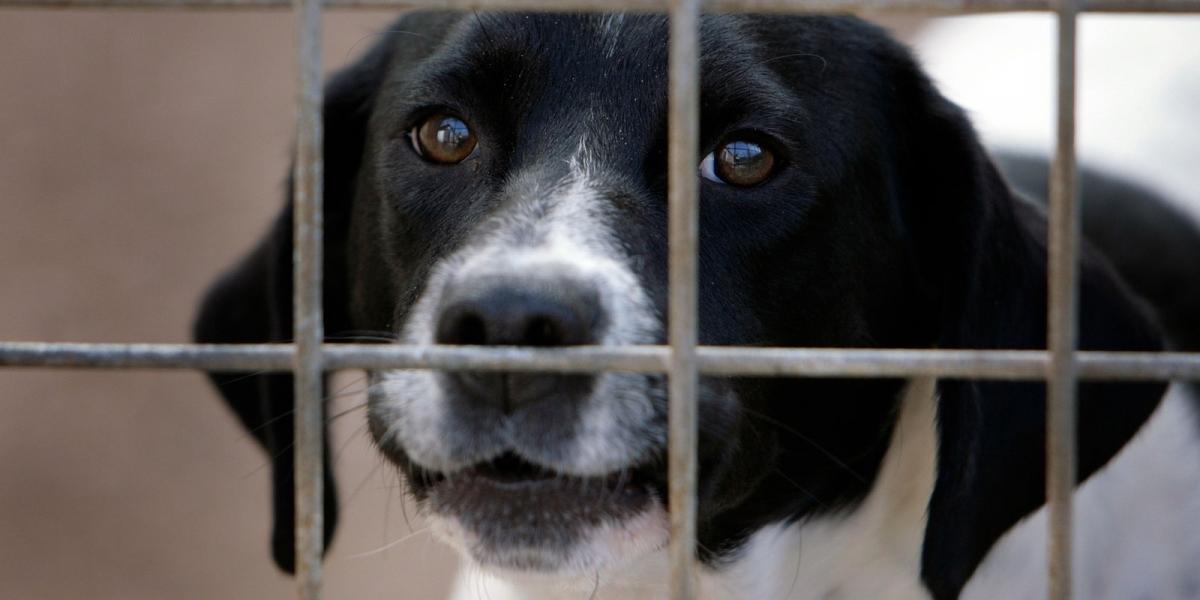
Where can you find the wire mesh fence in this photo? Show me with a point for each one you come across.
(1061, 365)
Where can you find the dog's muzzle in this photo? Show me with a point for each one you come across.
(528, 470)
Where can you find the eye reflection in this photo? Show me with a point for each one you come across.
(443, 138)
(739, 163)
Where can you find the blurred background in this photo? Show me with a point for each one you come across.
(142, 152)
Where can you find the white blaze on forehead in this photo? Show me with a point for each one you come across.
(611, 27)
(558, 234)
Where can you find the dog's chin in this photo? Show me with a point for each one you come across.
(511, 517)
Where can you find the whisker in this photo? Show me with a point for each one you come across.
(799, 487)
(364, 335)
(241, 378)
(390, 545)
(595, 586)
(824, 63)
(358, 488)
(288, 447)
(343, 413)
(811, 442)
(387, 506)
(796, 575)
(379, 33)
(346, 444)
(622, 479)
(339, 393)
(404, 492)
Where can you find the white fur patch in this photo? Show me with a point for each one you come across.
(611, 27)
(561, 230)
(873, 551)
(629, 551)
(1137, 523)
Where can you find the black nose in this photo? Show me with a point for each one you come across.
(509, 312)
(513, 311)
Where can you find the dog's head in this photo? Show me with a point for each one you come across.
(500, 179)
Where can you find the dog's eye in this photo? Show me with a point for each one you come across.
(738, 162)
(443, 138)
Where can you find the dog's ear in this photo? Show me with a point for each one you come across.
(982, 253)
(252, 303)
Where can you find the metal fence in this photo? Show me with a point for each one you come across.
(1061, 366)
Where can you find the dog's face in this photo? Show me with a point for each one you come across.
(500, 179)
(514, 193)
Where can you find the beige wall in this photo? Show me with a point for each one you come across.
(140, 152)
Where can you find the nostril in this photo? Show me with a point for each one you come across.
(460, 325)
(471, 330)
(543, 331)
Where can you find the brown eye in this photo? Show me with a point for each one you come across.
(740, 163)
(443, 138)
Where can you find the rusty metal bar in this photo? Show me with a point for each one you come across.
(711, 360)
(933, 7)
(1062, 318)
(683, 202)
(943, 7)
(307, 311)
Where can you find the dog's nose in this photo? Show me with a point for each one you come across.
(510, 312)
(515, 311)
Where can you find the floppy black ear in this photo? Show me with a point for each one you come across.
(1152, 243)
(252, 303)
(983, 253)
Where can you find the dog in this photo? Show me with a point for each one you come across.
(500, 180)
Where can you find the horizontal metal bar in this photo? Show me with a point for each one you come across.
(204, 357)
(712, 360)
(462, 5)
(773, 6)
(942, 6)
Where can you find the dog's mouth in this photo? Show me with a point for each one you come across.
(511, 480)
(513, 514)
(510, 469)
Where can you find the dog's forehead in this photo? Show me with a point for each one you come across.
(557, 63)
(606, 62)
(543, 82)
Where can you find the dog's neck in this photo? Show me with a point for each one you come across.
(871, 551)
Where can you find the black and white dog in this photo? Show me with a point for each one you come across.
(500, 179)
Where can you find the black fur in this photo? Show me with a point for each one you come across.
(886, 226)
(1146, 237)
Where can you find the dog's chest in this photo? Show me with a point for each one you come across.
(873, 551)
(771, 569)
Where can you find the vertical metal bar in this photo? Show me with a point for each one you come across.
(309, 328)
(1062, 318)
(682, 197)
